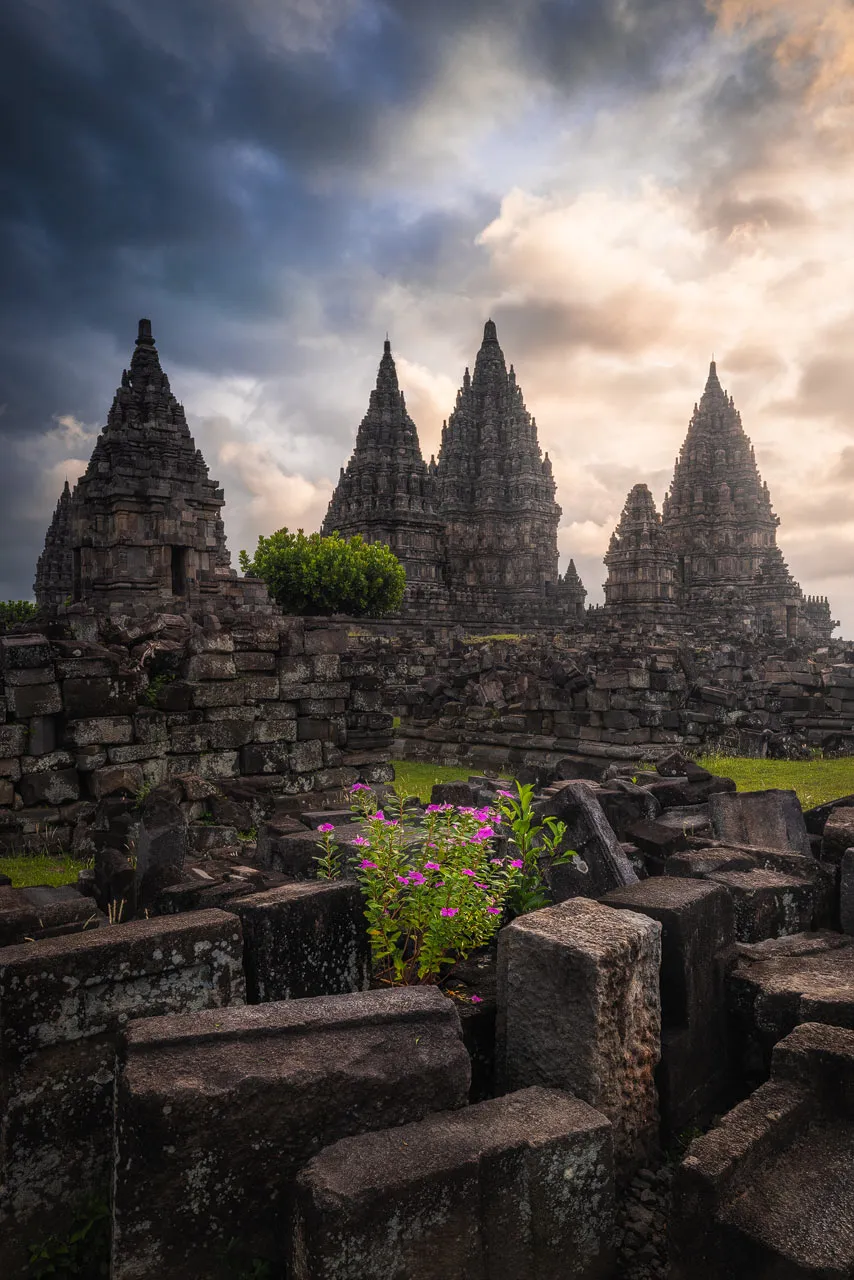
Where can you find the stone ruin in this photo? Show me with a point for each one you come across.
(192, 1035)
(477, 528)
(216, 1066)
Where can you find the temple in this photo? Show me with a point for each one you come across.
(144, 521)
(388, 494)
(712, 553)
(481, 522)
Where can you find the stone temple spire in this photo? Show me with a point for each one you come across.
(718, 514)
(641, 565)
(387, 493)
(145, 517)
(54, 582)
(497, 496)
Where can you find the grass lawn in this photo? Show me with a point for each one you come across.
(418, 779)
(41, 868)
(815, 781)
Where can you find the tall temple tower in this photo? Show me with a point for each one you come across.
(144, 521)
(387, 493)
(717, 515)
(641, 564)
(54, 577)
(497, 492)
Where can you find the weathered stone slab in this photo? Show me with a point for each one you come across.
(303, 940)
(217, 1112)
(64, 989)
(61, 1004)
(768, 819)
(161, 845)
(44, 911)
(769, 1192)
(782, 982)
(838, 834)
(579, 1009)
(590, 834)
(698, 932)
(517, 1188)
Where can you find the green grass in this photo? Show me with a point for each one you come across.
(418, 779)
(501, 635)
(815, 781)
(41, 868)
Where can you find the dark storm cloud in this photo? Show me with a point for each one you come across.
(181, 160)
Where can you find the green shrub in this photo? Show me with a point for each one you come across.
(316, 575)
(15, 611)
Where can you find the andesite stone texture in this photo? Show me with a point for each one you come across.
(579, 1009)
(215, 1113)
(769, 1192)
(697, 936)
(516, 1188)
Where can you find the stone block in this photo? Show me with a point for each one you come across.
(257, 661)
(767, 819)
(516, 1188)
(13, 739)
(19, 653)
(52, 787)
(210, 666)
(782, 982)
(266, 757)
(34, 675)
(34, 700)
(161, 845)
(216, 1113)
(261, 688)
(305, 757)
(838, 835)
(42, 737)
(46, 763)
(231, 734)
(67, 988)
(63, 1001)
(303, 940)
(43, 912)
(218, 693)
(100, 731)
(697, 936)
(590, 834)
(332, 639)
(579, 1009)
(105, 696)
(768, 1192)
(118, 779)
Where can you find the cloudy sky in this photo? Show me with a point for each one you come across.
(626, 186)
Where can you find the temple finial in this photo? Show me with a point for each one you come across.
(144, 337)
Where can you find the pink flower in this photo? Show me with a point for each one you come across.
(379, 816)
(367, 865)
(326, 827)
(449, 911)
(517, 863)
(391, 822)
(496, 862)
(497, 819)
(482, 815)
(360, 786)
(469, 812)
(508, 795)
(415, 877)
(484, 833)
(402, 879)
(477, 1000)
(480, 886)
(432, 866)
(360, 840)
(434, 808)
(468, 872)
(494, 911)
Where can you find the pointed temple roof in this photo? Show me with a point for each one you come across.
(53, 582)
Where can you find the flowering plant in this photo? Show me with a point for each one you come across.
(431, 901)
(532, 841)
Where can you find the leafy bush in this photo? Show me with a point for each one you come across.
(83, 1254)
(316, 575)
(15, 611)
(533, 841)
